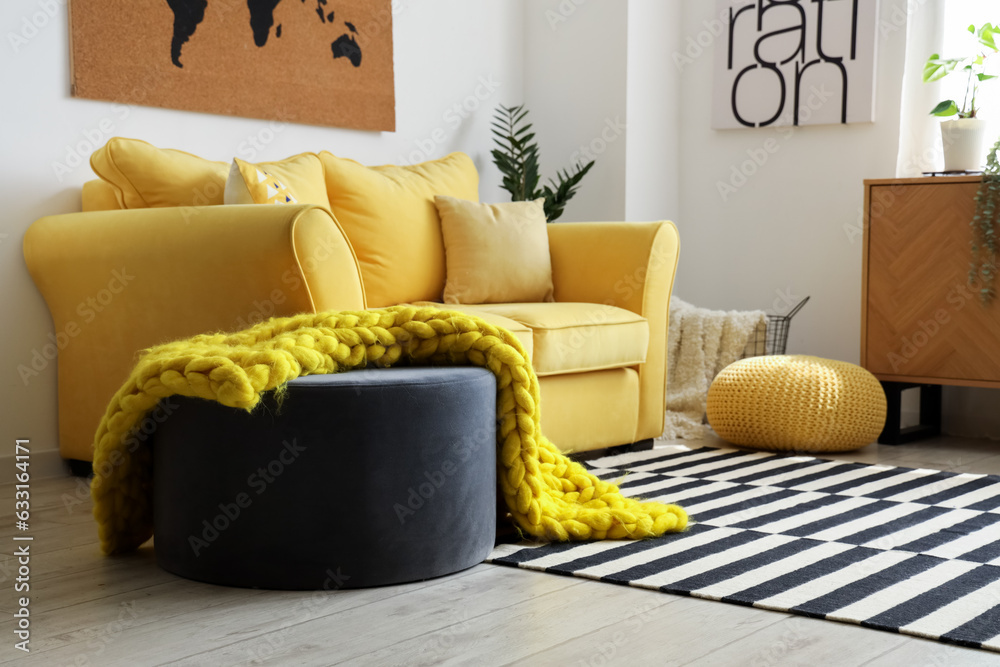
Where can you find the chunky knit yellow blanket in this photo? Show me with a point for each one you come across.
(549, 496)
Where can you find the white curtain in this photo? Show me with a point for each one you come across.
(940, 26)
(919, 134)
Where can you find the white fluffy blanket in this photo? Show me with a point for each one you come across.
(700, 343)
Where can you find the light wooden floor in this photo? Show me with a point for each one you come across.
(90, 610)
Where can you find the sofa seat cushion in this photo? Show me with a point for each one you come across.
(521, 332)
(577, 337)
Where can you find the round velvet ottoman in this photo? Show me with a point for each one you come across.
(796, 403)
(355, 479)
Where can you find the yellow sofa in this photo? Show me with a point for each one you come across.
(119, 281)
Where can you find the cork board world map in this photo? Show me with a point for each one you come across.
(319, 62)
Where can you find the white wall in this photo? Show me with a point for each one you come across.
(444, 51)
(786, 232)
(574, 85)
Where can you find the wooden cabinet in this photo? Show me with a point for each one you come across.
(921, 321)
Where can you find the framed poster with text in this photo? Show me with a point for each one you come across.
(794, 62)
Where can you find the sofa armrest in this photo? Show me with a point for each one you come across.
(623, 264)
(631, 266)
(117, 282)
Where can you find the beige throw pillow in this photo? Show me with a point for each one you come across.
(495, 253)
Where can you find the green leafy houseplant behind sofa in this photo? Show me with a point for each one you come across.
(517, 158)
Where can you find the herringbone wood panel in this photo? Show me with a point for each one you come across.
(922, 318)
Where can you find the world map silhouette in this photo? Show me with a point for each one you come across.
(188, 15)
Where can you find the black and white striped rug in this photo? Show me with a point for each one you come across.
(910, 551)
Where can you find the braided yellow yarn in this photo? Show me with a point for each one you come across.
(549, 496)
(796, 402)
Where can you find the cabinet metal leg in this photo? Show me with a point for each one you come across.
(930, 413)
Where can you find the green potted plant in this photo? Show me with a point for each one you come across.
(962, 137)
(516, 156)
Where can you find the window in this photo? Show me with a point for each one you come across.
(959, 15)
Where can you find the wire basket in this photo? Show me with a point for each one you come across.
(772, 338)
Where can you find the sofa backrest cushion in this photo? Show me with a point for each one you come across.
(144, 176)
(388, 214)
(98, 195)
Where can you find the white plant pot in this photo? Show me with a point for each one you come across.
(963, 142)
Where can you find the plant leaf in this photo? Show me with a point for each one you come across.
(558, 194)
(937, 67)
(946, 108)
(986, 35)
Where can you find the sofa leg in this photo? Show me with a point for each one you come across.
(79, 468)
(640, 446)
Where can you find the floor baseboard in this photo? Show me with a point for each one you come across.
(42, 464)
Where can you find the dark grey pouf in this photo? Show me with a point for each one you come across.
(359, 479)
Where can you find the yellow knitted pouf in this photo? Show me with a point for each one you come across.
(796, 402)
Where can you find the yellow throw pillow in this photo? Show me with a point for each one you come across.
(144, 176)
(249, 184)
(495, 253)
(388, 213)
(295, 180)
